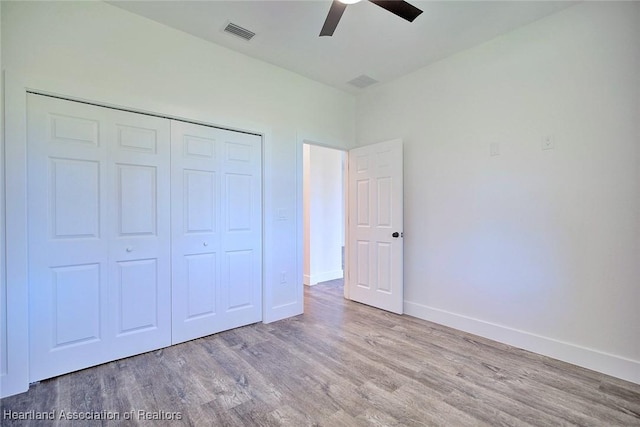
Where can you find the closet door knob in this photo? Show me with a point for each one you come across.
(205, 244)
(129, 249)
(395, 234)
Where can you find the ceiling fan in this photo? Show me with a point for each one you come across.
(398, 7)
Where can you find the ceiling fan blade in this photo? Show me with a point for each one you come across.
(335, 13)
(400, 8)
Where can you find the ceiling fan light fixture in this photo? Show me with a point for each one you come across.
(400, 8)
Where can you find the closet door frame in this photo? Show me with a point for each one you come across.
(14, 366)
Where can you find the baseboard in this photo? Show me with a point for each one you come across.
(605, 363)
(306, 280)
(325, 276)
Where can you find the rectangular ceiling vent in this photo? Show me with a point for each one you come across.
(362, 81)
(238, 31)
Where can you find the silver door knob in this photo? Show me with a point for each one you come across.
(129, 249)
(205, 244)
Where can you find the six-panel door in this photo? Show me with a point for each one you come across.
(375, 226)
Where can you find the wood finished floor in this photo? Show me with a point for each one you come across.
(339, 364)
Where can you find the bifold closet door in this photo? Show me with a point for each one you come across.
(216, 230)
(99, 235)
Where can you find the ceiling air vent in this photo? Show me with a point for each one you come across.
(238, 31)
(362, 81)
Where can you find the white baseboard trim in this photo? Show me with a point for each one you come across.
(616, 366)
(324, 276)
(306, 279)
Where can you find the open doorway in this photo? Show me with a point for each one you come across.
(324, 214)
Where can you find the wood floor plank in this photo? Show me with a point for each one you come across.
(339, 364)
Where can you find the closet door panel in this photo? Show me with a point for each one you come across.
(140, 239)
(195, 192)
(99, 243)
(241, 239)
(68, 238)
(216, 230)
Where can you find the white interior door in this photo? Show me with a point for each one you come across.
(374, 273)
(98, 215)
(216, 230)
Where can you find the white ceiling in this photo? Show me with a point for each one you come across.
(369, 40)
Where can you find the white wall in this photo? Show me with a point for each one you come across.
(324, 216)
(535, 248)
(94, 51)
